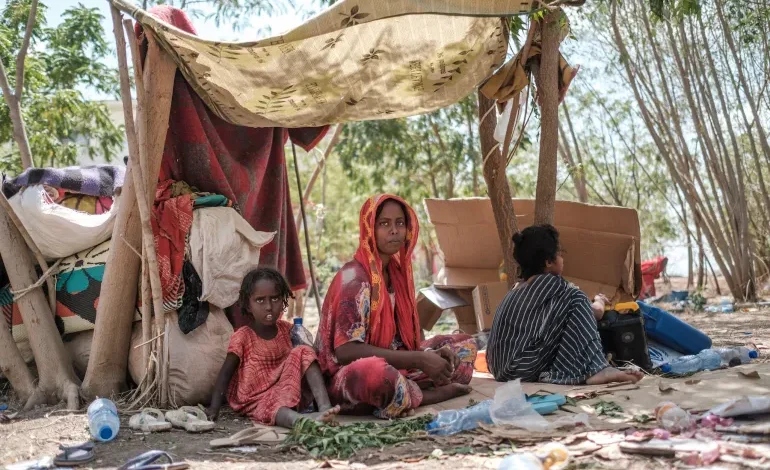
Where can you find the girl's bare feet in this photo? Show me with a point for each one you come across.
(327, 415)
(611, 374)
(444, 393)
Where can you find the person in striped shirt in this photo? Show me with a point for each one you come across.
(545, 330)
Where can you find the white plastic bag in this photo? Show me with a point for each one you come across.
(502, 122)
(752, 405)
(57, 230)
(510, 407)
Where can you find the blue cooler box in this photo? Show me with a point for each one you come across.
(670, 331)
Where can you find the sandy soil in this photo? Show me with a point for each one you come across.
(41, 431)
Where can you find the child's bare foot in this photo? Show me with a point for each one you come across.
(407, 413)
(611, 374)
(444, 393)
(325, 415)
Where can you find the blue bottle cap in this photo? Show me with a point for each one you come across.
(298, 321)
(105, 433)
(753, 354)
(665, 368)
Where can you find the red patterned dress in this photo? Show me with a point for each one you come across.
(358, 308)
(269, 375)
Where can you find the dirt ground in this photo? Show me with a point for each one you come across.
(40, 432)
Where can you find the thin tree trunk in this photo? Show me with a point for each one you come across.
(106, 373)
(497, 185)
(13, 98)
(12, 365)
(472, 153)
(578, 172)
(57, 380)
(701, 257)
(547, 78)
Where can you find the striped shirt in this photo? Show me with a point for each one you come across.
(545, 331)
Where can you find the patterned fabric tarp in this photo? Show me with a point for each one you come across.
(78, 283)
(358, 60)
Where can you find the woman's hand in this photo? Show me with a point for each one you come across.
(450, 357)
(436, 367)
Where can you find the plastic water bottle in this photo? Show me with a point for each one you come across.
(103, 420)
(736, 356)
(450, 422)
(708, 359)
(299, 335)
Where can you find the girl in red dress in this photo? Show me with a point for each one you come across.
(265, 374)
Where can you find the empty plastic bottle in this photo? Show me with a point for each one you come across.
(299, 335)
(103, 421)
(449, 422)
(708, 359)
(736, 356)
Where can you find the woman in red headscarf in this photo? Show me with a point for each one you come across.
(369, 340)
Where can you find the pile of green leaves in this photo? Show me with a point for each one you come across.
(608, 408)
(323, 440)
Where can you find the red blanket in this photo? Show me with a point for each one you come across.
(651, 270)
(246, 165)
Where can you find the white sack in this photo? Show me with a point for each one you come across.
(57, 230)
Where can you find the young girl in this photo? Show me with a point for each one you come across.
(265, 374)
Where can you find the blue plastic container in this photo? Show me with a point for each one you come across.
(670, 331)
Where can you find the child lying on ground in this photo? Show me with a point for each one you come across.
(265, 375)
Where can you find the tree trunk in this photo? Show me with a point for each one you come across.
(579, 174)
(701, 257)
(497, 185)
(20, 131)
(547, 78)
(106, 373)
(12, 365)
(57, 380)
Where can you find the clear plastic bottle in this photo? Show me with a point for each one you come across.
(450, 422)
(736, 356)
(708, 359)
(299, 335)
(673, 418)
(103, 421)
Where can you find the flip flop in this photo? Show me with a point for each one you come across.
(73, 456)
(190, 418)
(251, 436)
(149, 420)
(149, 461)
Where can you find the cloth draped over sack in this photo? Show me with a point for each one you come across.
(513, 77)
(358, 60)
(223, 249)
(95, 180)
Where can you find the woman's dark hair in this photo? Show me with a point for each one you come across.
(259, 274)
(382, 204)
(533, 246)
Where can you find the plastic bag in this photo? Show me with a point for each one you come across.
(57, 230)
(510, 406)
(502, 122)
(742, 406)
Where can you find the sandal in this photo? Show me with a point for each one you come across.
(149, 420)
(75, 455)
(190, 418)
(149, 461)
(251, 436)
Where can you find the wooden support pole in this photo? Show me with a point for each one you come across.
(547, 79)
(112, 333)
(497, 185)
(307, 235)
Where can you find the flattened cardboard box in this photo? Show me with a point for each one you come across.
(600, 243)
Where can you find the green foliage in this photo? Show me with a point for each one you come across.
(323, 440)
(698, 300)
(61, 64)
(608, 408)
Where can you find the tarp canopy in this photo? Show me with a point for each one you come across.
(357, 60)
